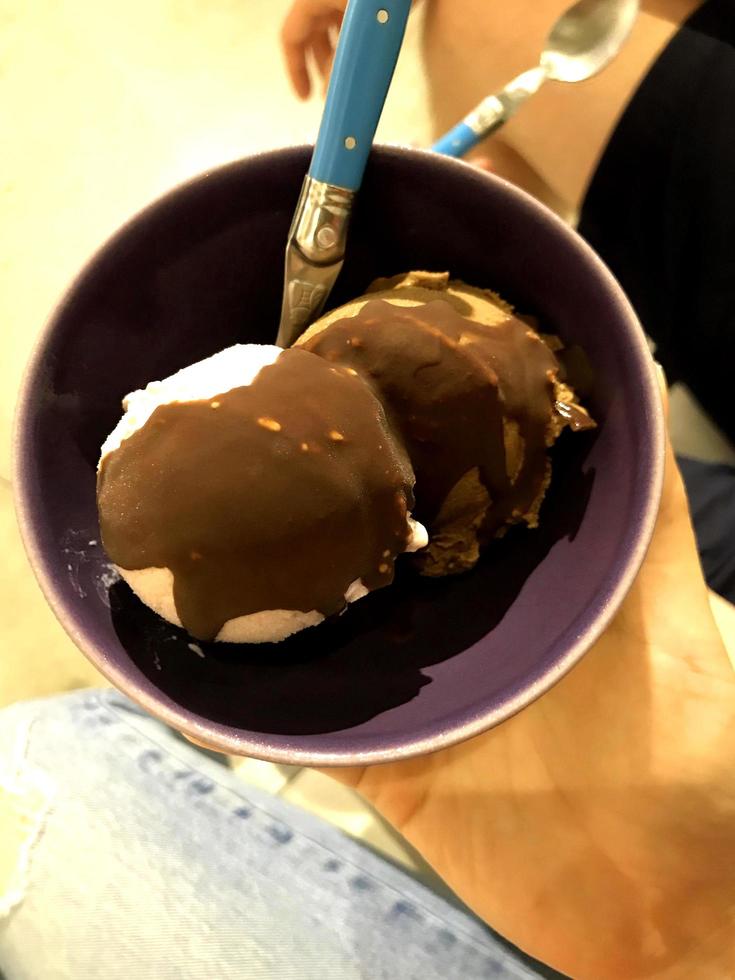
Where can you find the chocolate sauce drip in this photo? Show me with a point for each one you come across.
(462, 395)
(275, 495)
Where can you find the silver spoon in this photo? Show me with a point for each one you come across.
(582, 42)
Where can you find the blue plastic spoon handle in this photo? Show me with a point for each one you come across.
(457, 141)
(369, 42)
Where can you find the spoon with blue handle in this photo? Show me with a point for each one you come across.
(582, 42)
(367, 51)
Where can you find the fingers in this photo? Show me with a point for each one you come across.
(333, 26)
(295, 33)
(321, 50)
(295, 58)
(309, 30)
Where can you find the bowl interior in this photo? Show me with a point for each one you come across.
(412, 666)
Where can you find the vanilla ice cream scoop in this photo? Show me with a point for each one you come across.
(255, 493)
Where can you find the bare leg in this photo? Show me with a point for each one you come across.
(551, 148)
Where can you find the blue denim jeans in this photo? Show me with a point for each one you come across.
(143, 858)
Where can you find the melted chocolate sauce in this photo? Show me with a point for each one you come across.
(275, 495)
(462, 395)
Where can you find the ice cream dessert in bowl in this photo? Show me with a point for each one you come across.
(379, 542)
(261, 490)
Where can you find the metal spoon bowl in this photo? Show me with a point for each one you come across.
(586, 38)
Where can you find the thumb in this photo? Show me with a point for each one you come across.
(671, 577)
(673, 547)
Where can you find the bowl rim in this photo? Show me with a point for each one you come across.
(218, 736)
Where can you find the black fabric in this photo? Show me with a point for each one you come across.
(661, 207)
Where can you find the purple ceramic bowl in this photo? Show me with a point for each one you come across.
(409, 669)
